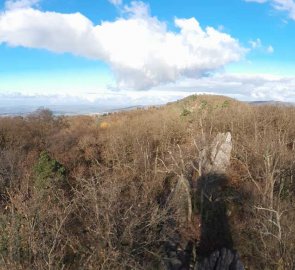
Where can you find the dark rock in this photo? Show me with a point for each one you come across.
(221, 260)
(175, 264)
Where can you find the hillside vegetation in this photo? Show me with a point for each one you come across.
(91, 192)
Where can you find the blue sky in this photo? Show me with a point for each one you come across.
(123, 52)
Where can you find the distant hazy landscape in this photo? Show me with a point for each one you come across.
(86, 109)
(22, 110)
(24, 106)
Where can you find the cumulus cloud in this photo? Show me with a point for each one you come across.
(139, 48)
(56, 32)
(283, 5)
(20, 4)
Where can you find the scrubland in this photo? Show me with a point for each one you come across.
(91, 192)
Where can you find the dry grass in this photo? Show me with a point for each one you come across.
(111, 210)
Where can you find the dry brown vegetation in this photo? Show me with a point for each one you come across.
(75, 194)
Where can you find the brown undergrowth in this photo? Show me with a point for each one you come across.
(79, 194)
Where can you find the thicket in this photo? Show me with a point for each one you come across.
(90, 192)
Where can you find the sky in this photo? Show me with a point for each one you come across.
(123, 53)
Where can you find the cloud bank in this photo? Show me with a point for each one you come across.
(240, 86)
(139, 48)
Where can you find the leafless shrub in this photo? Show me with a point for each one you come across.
(113, 211)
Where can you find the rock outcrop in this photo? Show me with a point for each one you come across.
(216, 158)
(224, 259)
(215, 249)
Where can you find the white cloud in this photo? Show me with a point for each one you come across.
(240, 86)
(139, 48)
(56, 32)
(248, 87)
(116, 2)
(283, 5)
(20, 4)
(257, 45)
(137, 9)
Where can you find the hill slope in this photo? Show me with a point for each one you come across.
(93, 192)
